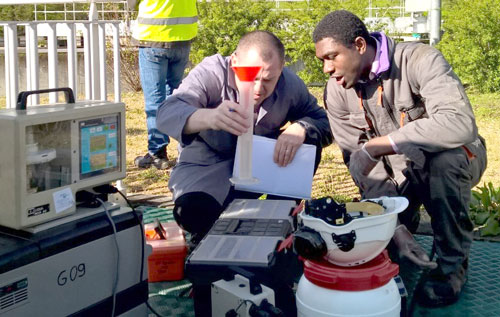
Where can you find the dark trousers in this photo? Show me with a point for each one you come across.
(196, 212)
(444, 186)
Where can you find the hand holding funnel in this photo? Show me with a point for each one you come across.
(246, 76)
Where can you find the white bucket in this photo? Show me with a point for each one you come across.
(330, 290)
(316, 301)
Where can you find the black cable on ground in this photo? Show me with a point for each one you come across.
(152, 310)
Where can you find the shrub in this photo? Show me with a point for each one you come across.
(485, 209)
(129, 64)
(471, 44)
(222, 23)
(298, 36)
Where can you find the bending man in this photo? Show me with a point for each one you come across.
(203, 114)
(406, 128)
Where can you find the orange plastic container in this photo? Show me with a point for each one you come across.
(166, 263)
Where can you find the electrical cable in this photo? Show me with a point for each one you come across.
(109, 189)
(141, 228)
(152, 310)
(143, 242)
(115, 282)
(234, 312)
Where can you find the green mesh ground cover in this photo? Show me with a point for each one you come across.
(171, 299)
(167, 298)
(481, 294)
(152, 213)
(480, 297)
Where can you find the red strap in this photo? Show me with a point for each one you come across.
(380, 90)
(298, 209)
(362, 107)
(360, 100)
(470, 155)
(402, 119)
(286, 244)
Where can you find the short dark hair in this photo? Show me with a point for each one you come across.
(342, 26)
(268, 43)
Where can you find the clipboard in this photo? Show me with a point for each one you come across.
(294, 180)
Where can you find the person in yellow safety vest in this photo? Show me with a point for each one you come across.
(164, 30)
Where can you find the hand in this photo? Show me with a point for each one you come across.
(410, 249)
(360, 165)
(229, 116)
(288, 143)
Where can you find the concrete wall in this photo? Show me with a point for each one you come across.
(62, 72)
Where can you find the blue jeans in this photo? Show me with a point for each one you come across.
(161, 71)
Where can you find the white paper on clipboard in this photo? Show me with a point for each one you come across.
(294, 180)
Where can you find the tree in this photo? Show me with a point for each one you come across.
(300, 24)
(222, 23)
(470, 42)
(16, 12)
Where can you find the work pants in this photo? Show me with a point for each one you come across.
(444, 186)
(196, 212)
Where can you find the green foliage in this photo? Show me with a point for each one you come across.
(486, 106)
(129, 64)
(222, 23)
(485, 209)
(470, 42)
(16, 12)
(298, 37)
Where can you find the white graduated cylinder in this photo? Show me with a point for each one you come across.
(317, 301)
(245, 140)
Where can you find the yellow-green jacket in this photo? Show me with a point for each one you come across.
(166, 21)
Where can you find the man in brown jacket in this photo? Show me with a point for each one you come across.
(406, 128)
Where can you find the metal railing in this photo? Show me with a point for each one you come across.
(94, 57)
(78, 9)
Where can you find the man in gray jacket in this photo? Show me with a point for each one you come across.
(203, 114)
(406, 128)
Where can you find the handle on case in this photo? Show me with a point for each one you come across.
(254, 285)
(23, 96)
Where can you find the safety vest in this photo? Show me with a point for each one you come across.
(166, 20)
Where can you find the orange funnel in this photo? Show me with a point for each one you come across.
(246, 73)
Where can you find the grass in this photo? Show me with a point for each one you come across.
(487, 111)
(332, 177)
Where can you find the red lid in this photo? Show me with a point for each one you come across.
(373, 274)
(246, 73)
